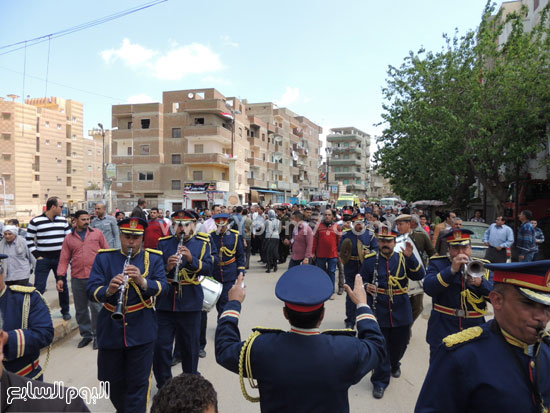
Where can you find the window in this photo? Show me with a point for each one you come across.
(240, 131)
(74, 119)
(6, 115)
(145, 123)
(59, 144)
(6, 156)
(37, 125)
(59, 161)
(144, 149)
(59, 179)
(129, 150)
(37, 177)
(176, 184)
(146, 176)
(224, 176)
(35, 195)
(345, 181)
(176, 159)
(199, 121)
(129, 175)
(129, 125)
(197, 175)
(47, 141)
(89, 152)
(6, 136)
(176, 133)
(37, 163)
(199, 148)
(74, 137)
(59, 126)
(68, 183)
(47, 124)
(346, 169)
(90, 168)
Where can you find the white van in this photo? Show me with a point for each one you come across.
(389, 202)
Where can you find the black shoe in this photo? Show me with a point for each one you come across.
(340, 291)
(350, 325)
(95, 344)
(268, 270)
(246, 268)
(175, 361)
(84, 342)
(378, 392)
(275, 269)
(396, 373)
(202, 353)
(261, 262)
(67, 317)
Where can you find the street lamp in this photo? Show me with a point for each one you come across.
(232, 159)
(328, 150)
(4, 189)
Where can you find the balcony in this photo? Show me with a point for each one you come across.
(347, 175)
(256, 163)
(344, 138)
(350, 149)
(254, 143)
(298, 132)
(345, 162)
(257, 182)
(356, 187)
(208, 159)
(208, 133)
(203, 106)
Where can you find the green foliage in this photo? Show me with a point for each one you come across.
(474, 110)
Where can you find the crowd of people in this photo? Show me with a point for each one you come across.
(137, 284)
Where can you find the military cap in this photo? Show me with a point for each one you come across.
(132, 226)
(359, 217)
(183, 215)
(460, 236)
(531, 278)
(384, 232)
(304, 288)
(221, 219)
(403, 217)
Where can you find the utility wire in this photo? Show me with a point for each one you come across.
(37, 40)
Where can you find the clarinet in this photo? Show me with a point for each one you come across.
(176, 279)
(118, 314)
(375, 282)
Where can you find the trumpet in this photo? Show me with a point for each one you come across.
(176, 278)
(118, 314)
(474, 269)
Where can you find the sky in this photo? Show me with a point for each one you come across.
(325, 60)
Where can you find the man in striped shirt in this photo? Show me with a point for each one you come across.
(45, 235)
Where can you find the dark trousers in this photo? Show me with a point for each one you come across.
(41, 272)
(262, 245)
(86, 310)
(294, 263)
(350, 307)
(271, 252)
(283, 251)
(128, 371)
(495, 256)
(224, 297)
(397, 339)
(185, 327)
(204, 322)
(341, 278)
(256, 244)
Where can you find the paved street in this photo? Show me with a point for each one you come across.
(77, 367)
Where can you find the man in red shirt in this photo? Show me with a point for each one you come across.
(79, 250)
(325, 245)
(156, 229)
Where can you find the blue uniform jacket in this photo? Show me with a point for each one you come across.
(229, 261)
(189, 295)
(481, 374)
(368, 239)
(302, 370)
(22, 351)
(139, 325)
(446, 290)
(393, 308)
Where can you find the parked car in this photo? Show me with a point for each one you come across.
(478, 229)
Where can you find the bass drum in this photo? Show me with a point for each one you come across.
(415, 287)
(212, 290)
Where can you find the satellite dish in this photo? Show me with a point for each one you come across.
(190, 95)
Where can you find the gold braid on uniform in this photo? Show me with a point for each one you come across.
(25, 325)
(138, 290)
(184, 273)
(246, 350)
(394, 280)
(467, 296)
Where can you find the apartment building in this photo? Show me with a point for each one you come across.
(349, 159)
(42, 147)
(284, 154)
(200, 147)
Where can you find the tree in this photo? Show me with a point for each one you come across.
(476, 110)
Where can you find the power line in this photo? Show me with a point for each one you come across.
(62, 85)
(37, 40)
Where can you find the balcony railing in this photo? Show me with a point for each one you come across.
(205, 159)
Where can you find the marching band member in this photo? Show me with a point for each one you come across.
(125, 342)
(387, 276)
(187, 255)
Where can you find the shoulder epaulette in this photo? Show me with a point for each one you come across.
(371, 254)
(483, 260)
(203, 238)
(203, 234)
(346, 229)
(437, 257)
(109, 250)
(163, 238)
(234, 230)
(340, 332)
(22, 288)
(154, 251)
(463, 337)
(210, 232)
(267, 330)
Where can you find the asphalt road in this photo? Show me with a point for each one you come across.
(78, 367)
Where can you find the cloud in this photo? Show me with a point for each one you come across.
(216, 80)
(173, 64)
(130, 53)
(140, 98)
(226, 41)
(291, 95)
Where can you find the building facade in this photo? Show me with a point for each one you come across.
(199, 147)
(349, 160)
(43, 154)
